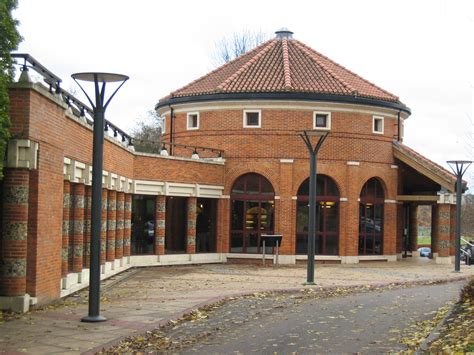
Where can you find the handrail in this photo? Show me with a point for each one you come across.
(465, 241)
(78, 108)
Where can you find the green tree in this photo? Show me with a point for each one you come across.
(9, 40)
(147, 133)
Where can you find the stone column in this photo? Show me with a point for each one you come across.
(87, 227)
(78, 228)
(111, 223)
(103, 234)
(119, 225)
(160, 223)
(67, 202)
(14, 232)
(191, 226)
(127, 230)
(443, 231)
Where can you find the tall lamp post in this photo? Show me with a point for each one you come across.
(312, 223)
(100, 80)
(458, 167)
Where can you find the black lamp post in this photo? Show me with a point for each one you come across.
(312, 223)
(458, 167)
(99, 80)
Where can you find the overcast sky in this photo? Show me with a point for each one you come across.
(421, 51)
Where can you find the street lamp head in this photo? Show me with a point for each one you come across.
(100, 77)
(463, 162)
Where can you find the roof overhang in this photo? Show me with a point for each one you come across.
(425, 167)
(296, 96)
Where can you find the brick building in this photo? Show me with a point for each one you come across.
(231, 168)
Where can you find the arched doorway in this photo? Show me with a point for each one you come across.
(371, 218)
(327, 216)
(252, 212)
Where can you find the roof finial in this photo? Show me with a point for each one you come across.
(284, 33)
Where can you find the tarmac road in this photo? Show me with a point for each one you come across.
(371, 322)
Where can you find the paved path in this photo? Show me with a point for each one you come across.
(370, 322)
(152, 296)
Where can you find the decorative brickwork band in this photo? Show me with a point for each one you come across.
(14, 232)
(66, 258)
(191, 225)
(78, 229)
(111, 218)
(119, 225)
(127, 225)
(87, 227)
(160, 217)
(103, 233)
(443, 233)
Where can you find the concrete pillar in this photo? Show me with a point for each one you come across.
(127, 227)
(160, 223)
(103, 234)
(87, 227)
(111, 224)
(67, 203)
(191, 225)
(119, 225)
(14, 232)
(78, 227)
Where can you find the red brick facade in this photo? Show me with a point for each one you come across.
(46, 209)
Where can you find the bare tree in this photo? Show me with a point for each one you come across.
(233, 46)
(147, 133)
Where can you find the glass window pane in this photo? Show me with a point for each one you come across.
(302, 217)
(320, 216)
(301, 244)
(267, 188)
(252, 118)
(331, 216)
(331, 245)
(252, 243)
(253, 184)
(252, 214)
(236, 243)
(304, 188)
(238, 187)
(321, 120)
(237, 215)
(266, 217)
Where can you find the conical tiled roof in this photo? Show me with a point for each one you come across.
(283, 65)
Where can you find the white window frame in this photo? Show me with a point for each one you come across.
(374, 118)
(259, 118)
(328, 121)
(163, 125)
(188, 120)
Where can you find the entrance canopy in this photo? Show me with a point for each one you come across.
(420, 176)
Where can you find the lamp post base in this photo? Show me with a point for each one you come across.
(93, 319)
(309, 283)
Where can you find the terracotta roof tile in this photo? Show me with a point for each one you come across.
(283, 65)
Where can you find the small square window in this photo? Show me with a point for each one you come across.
(193, 120)
(252, 118)
(322, 120)
(377, 125)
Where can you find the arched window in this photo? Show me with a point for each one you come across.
(252, 213)
(371, 218)
(327, 217)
